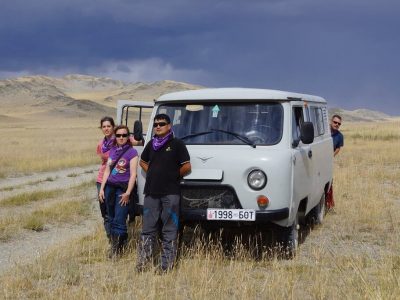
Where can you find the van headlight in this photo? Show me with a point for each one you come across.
(257, 179)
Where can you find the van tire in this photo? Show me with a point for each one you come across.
(318, 213)
(289, 239)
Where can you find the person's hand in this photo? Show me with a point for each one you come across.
(134, 141)
(124, 199)
(101, 196)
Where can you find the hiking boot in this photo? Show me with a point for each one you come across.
(114, 243)
(122, 243)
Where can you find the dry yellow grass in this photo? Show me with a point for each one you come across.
(67, 206)
(48, 145)
(355, 254)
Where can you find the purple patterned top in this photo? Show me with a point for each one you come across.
(121, 172)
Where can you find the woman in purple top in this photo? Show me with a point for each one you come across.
(117, 185)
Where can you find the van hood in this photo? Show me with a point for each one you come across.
(216, 162)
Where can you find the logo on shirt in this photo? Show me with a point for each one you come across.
(120, 168)
(168, 149)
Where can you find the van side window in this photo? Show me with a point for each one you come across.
(297, 120)
(319, 117)
(316, 117)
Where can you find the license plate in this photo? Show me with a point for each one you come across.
(231, 214)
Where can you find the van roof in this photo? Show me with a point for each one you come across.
(238, 94)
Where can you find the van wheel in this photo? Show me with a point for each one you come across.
(289, 239)
(318, 213)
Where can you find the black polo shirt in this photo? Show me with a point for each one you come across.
(163, 177)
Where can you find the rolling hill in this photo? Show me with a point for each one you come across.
(74, 95)
(83, 96)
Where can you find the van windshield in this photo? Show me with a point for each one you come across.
(226, 123)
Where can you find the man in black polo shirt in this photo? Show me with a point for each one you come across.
(166, 160)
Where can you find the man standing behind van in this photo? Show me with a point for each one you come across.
(337, 136)
(166, 160)
(338, 142)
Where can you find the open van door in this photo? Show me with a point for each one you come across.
(303, 164)
(136, 115)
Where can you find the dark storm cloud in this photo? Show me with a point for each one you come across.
(345, 51)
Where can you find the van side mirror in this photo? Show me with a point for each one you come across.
(307, 132)
(138, 131)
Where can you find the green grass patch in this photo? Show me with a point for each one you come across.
(34, 223)
(71, 211)
(86, 184)
(25, 198)
(49, 178)
(64, 212)
(7, 228)
(7, 189)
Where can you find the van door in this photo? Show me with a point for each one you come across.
(321, 153)
(303, 168)
(132, 113)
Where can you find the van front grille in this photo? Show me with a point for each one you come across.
(208, 197)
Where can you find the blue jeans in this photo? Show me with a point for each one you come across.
(103, 210)
(117, 214)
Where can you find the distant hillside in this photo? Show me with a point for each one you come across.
(89, 96)
(359, 115)
(75, 95)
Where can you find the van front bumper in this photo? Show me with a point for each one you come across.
(262, 216)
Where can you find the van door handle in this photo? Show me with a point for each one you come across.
(309, 153)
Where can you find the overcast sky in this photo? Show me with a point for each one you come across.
(346, 51)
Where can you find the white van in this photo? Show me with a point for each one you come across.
(258, 156)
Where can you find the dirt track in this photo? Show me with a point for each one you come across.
(29, 245)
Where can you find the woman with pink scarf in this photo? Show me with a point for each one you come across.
(103, 151)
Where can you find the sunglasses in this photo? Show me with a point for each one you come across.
(337, 123)
(161, 124)
(125, 135)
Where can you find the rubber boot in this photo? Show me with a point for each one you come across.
(145, 252)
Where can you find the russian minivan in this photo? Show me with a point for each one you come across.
(258, 156)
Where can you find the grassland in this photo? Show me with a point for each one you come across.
(33, 211)
(355, 254)
(37, 146)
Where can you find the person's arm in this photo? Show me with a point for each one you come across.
(103, 156)
(103, 183)
(144, 165)
(185, 169)
(336, 152)
(132, 179)
(145, 158)
(184, 158)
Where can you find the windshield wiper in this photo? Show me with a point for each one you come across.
(238, 136)
(195, 134)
